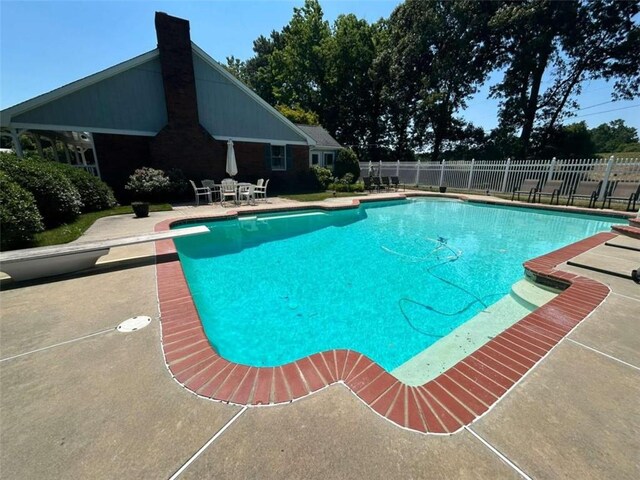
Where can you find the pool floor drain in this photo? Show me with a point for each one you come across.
(134, 323)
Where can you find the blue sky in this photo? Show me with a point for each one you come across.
(44, 45)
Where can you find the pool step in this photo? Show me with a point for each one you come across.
(608, 259)
(629, 231)
(280, 217)
(531, 295)
(622, 241)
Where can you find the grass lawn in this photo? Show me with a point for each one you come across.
(72, 231)
(315, 197)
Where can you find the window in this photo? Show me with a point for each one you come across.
(328, 159)
(278, 157)
(315, 159)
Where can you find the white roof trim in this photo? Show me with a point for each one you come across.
(259, 140)
(85, 128)
(75, 86)
(209, 60)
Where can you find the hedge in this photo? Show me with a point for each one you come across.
(19, 215)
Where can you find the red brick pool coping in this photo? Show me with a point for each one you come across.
(443, 405)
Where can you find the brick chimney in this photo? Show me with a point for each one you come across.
(183, 143)
(174, 44)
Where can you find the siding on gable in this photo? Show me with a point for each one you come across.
(131, 100)
(226, 110)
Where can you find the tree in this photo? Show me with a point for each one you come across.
(573, 42)
(298, 115)
(613, 136)
(438, 54)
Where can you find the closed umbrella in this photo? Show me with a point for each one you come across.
(232, 167)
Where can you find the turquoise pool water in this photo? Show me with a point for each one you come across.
(387, 279)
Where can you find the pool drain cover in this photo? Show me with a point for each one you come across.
(133, 324)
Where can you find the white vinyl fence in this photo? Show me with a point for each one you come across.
(503, 176)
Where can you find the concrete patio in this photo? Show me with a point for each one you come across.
(80, 400)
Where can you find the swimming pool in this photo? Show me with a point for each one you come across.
(387, 279)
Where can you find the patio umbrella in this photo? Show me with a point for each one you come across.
(232, 167)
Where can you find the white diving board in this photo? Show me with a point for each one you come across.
(31, 263)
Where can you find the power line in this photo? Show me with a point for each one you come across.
(607, 111)
(596, 105)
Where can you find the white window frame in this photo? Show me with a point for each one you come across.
(324, 159)
(284, 158)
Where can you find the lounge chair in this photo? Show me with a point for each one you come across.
(377, 183)
(585, 189)
(528, 186)
(260, 191)
(385, 182)
(395, 181)
(552, 187)
(201, 192)
(228, 189)
(368, 184)
(628, 191)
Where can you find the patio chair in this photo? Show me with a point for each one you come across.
(377, 183)
(395, 181)
(260, 182)
(247, 192)
(528, 186)
(586, 189)
(201, 192)
(228, 190)
(368, 184)
(214, 187)
(260, 191)
(386, 183)
(628, 191)
(552, 187)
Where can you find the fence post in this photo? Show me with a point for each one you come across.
(506, 173)
(418, 173)
(398, 168)
(552, 167)
(605, 180)
(380, 168)
(441, 173)
(473, 162)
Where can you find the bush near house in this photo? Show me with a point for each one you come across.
(19, 215)
(58, 200)
(94, 193)
(322, 176)
(347, 162)
(148, 184)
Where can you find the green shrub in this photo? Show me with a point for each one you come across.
(346, 187)
(148, 184)
(20, 219)
(57, 199)
(94, 193)
(179, 188)
(323, 177)
(347, 162)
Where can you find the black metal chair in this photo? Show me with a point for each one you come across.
(628, 191)
(552, 187)
(586, 189)
(528, 186)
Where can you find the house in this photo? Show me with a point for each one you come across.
(172, 107)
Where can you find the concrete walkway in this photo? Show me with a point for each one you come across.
(80, 400)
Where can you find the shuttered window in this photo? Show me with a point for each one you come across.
(278, 157)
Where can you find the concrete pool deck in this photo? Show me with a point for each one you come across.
(78, 399)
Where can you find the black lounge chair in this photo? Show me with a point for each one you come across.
(528, 186)
(552, 187)
(377, 183)
(395, 181)
(628, 191)
(586, 189)
(385, 182)
(368, 185)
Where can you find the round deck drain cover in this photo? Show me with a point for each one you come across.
(133, 324)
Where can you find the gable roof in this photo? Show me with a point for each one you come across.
(95, 103)
(320, 135)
